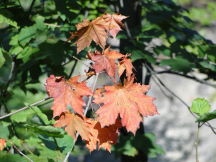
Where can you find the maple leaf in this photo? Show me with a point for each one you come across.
(113, 23)
(105, 61)
(88, 31)
(125, 65)
(67, 92)
(90, 130)
(97, 30)
(74, 123)
(103, 137)
(2, 144)
(128, 101)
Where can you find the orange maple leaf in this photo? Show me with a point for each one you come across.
(113, 23)
(2, 144)
(67, 92)
(74, 123)
(125, 65)
(89, 130)
(105, 61)
(103, 137)
(128, 101)
(97, 30)
(88, 31)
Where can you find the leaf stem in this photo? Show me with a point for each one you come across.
(197, 142)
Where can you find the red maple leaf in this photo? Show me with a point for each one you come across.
(103, 137)
(128, 101)
(65, 93)
(125, 65)
(105, 61)
(90, 130)
(74, 123)
(113, 23)
(2, 144)
(97, 30)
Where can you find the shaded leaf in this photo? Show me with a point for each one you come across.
(207, 116)
(103, 137)
(178, 64)
(2, 59)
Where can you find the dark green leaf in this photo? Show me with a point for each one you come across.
(207, 116)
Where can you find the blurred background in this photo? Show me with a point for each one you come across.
(172, 45)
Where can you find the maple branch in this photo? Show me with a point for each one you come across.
(85, 112)
(24, 108)
(21, 153)
(187, 76)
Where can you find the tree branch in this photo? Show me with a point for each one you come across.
(24, 108)
(187, 76)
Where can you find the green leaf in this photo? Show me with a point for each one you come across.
(47, 130)
(26, 34)
(178, 64)
(200, 106)
(6, 20)
(131, 145)
(208, 65)
(42, 116)
(137, 55)
(207, 116)
(23, 116)
(65, 143)
(4, 131)
(2, 59)
(8, 157)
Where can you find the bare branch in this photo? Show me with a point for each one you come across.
(21, 153)
(187, 76)
(24, 108)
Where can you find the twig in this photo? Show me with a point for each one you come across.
(24, 108)
(81, 61)
(182, 101)
(73, 68)
(31, 7)
(21, 153)
(187, 76)
(85, 112)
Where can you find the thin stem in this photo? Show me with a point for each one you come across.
(85, 112)
(73, 68)
(81, 61)
(197, 142)
(21, 153)
(24, 108)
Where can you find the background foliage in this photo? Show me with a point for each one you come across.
(34, 44)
